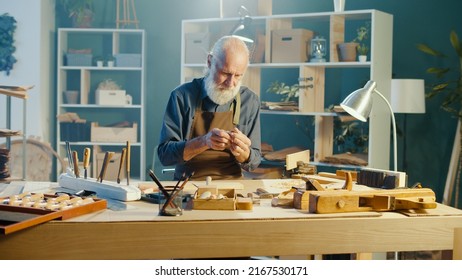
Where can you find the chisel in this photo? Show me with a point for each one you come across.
(107, 158)
(69, 155)
(75, 159)
(121, 164)
(86, 160)
(127, 162)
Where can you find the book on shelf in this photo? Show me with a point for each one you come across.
(4, 132)
(15, 91)
(280, 106)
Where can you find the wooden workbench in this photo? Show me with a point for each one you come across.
(139, 233)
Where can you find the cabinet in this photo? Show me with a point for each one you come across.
(78, 73)
(319, 81)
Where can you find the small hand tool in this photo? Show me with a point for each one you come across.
(122, 158)
(69, 155)
(86, 160)
(127, 162)
(107, 158)
(75, 159)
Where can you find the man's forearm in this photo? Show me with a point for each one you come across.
(194, 147)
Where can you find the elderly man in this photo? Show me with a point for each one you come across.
(212, 124)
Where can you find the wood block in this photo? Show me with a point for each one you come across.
(244, 203)
(292, 159)
(227, 203)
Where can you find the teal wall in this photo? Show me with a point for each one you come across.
(429, 137)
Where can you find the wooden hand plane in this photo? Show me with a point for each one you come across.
(375, 200)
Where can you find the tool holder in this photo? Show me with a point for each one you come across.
(105, 189)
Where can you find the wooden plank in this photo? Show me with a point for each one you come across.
(337, 35)
(292, 159)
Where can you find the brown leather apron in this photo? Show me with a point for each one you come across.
(217, 164)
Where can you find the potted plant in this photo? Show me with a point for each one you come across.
(7, 29)
(99, 61)
(289, 93)
(349, 50)
(80, 11)
(110, 60)
(449, 84)
(362, 50)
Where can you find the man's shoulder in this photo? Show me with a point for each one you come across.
(248, 93)
(188, 88)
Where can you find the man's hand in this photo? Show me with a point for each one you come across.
(218, 139)
(240, 145)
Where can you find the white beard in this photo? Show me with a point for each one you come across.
(217, 95)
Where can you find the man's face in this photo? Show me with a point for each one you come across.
(225, 78)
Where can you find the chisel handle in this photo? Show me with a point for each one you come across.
(86, 157)
(127, 162)
(121, 164)
(75, 159)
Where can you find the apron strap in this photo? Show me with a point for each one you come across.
(236, 107)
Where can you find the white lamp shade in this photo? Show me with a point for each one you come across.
(408, 96)
(359, 103)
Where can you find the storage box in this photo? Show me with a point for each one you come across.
(127, 60)
(110, 97)
(290, 45)
(226, 203)
(196, 47)
(16, 218)
(114, 134)
(112, 169)
(79, 59)
(74, 131)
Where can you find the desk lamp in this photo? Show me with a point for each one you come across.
(407, 97)
(359, 104)
(242, 27)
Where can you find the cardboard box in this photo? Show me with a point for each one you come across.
(112, 168)
(110, 97)
(227, 203)
(79, 59)
(290, 45)
(196, 47)
(127, 60)
(114, 134)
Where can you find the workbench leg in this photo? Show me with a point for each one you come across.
(457, 250)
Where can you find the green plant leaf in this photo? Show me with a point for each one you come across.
(440, 87)
(455, 43)
(426, 49)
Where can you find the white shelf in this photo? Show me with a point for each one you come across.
(312, 99)
(85, 79)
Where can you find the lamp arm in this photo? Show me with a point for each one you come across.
(395, 153)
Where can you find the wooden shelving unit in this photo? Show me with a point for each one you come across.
(312, 99)
(85, 79)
